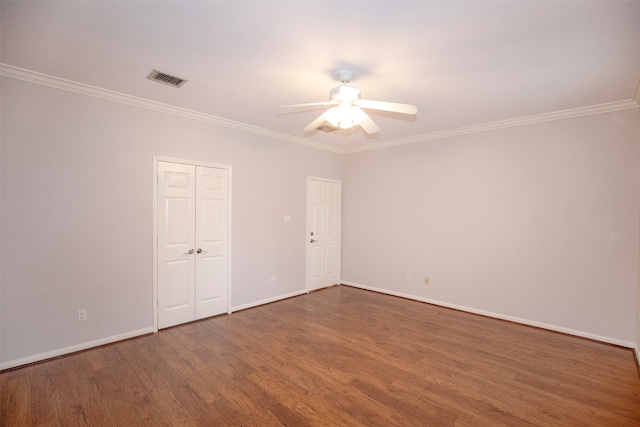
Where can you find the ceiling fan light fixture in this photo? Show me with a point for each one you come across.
(346, 123)
(335, 117)
(357, 115)
(344, 116)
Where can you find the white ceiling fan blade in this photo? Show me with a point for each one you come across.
(309, 104)
(317, 122)
(386, 106)
(361, 118)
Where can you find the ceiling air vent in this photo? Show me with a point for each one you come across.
(161, 77)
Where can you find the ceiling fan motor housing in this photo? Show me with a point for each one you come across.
(345, 93)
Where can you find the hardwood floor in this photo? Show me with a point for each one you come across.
(339, 356)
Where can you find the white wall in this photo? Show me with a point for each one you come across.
(537, 223)
(77, 214)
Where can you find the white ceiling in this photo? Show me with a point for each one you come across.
(461, 63)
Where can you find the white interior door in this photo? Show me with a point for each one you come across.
(193, 248)
(176, 241)
(323, 233)
(211, 241)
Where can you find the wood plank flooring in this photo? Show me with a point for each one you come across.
(340, 357)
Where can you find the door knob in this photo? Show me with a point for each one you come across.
(311, 233)
(313, 240)
(200, 251)
(190, 252)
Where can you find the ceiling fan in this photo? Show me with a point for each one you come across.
(347, 108)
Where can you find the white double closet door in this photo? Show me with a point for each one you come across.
(193, 247)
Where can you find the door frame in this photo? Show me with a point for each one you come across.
(306, 232)
(156, 160)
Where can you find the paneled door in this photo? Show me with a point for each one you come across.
(211, 241)
(323, 233)
(192, 242)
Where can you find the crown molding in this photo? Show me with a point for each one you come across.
(96, 92)
(58, 83)
(503, 124)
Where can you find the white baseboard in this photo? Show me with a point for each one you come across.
(528, 322)
(74, 348)
(84, 346)
(268, 300)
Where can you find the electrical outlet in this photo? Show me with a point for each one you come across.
(82, 315)
(409, 277)
(426, 280)
(273, 280)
